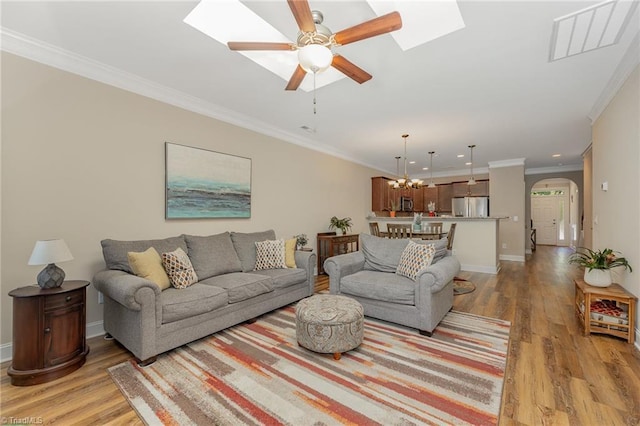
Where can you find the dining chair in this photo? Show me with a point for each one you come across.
(433, 231)
(397, 230)
(450, 235)
(374, 229)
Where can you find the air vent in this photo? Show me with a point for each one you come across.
(596, 26)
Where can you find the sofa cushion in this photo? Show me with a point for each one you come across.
(212, 255)
(285, 277)
(179, 268)
(270, 255)
(148, 265)
(380, 286)
(115, 251)
(245, 245)
(241, 286)
(415, 259)
(441, 248)
(381, 254)
(198, 299)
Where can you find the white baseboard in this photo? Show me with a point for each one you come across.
(480, 268)
(93, 329)
(512, 258)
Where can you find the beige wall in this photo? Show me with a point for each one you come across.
(507, 199)
(84, 161)
(616, 160)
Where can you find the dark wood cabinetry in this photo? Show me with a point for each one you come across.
(49, 332)
(445, 193)
(480, 189)
(380, 194)
(429, 195)
(333, 245)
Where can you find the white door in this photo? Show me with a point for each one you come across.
(544, 211)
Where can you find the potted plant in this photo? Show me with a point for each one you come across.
(597, 265)
(301, 240)
(395, 205)
(343, 224)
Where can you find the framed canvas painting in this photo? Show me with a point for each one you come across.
(206, 184)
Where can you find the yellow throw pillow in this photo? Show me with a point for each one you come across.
(148, 265)
(290, 253)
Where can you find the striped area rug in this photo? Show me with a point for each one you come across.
(256, 374)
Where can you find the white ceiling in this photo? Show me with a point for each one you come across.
(488, 84)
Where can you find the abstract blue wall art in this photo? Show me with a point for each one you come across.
(204, 184)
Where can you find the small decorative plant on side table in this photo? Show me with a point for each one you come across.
(343, 224)
(301, 241)
(597, 264)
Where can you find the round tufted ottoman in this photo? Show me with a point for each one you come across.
(328, 323)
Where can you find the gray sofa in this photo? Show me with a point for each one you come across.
(149, 321)
(369, 277)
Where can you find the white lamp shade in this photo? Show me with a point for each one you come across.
(50, 251)
(315, 57)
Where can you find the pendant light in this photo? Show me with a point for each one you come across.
(431, 184)
(472, 181)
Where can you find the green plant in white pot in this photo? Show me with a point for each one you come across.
(597, 265)
(343, 224)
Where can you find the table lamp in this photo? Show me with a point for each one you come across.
(48, 252)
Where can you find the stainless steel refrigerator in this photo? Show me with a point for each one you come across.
(470, 206)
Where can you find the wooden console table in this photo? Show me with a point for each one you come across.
(333, 245)
(587, 294)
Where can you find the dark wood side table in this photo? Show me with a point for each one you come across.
(49, 332)
(586, 294)
(333, 245)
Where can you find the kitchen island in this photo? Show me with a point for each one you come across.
(475, 243)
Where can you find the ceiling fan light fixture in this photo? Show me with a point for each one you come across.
(315, 58)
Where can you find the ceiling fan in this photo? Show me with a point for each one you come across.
(315, 41)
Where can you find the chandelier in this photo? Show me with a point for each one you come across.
(404, 182)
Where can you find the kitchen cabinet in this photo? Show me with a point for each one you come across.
(418, 200)
(380, 194)
(430, 195)
(480, 189)
(445, 193)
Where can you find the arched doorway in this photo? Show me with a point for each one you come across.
(555, 212)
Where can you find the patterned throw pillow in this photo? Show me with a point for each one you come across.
(270, 254)
(415, 259)
(179, 268)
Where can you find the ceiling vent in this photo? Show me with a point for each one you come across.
(596, 26)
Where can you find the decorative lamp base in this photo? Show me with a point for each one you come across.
(597, 277)
(51, 276)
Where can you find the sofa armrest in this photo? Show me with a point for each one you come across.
(342, 265)
(307, 260)
(123, 287)
(441, 272)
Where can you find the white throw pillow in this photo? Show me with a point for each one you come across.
(270, 255)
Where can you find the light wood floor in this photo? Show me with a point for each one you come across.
(555, 375)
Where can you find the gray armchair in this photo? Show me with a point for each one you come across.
(369, 277)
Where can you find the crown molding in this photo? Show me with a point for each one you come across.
(629, 62)
(558, 169)
(507, 163)
(47, 54)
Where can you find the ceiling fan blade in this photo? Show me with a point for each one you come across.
(380, 25)
(302, 12)
(350, 69)
(296, 78)
(256, 45)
